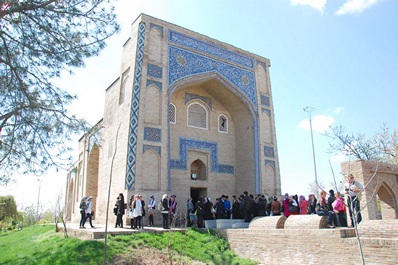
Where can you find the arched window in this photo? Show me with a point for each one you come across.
(172, 113)
(222, 123)
(198, 170)
(197, 116)
(123, 86)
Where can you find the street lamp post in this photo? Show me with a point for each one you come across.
(38, 201)
(309, 110)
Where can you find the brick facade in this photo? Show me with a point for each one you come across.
(136, 145)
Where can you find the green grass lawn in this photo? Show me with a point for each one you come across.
(41, 245)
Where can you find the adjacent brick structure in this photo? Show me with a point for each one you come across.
(380, 196)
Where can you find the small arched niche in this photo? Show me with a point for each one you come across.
(198, 170)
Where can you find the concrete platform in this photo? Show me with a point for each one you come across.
(99, 231)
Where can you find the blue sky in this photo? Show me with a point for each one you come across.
(340, 57)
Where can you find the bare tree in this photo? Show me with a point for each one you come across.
(382, 146)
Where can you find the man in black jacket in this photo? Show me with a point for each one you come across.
(247, 206)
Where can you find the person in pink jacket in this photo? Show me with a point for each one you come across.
(303, 204)
(338, 208)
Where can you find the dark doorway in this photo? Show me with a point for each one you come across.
(196, 193)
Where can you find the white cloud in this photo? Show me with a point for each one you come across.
(320, 123)
(338, 110)
(355, 6)
(316, 4)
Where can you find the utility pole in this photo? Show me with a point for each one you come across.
(38, 201)
(309, 110)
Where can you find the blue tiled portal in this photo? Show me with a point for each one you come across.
(186, 144)
(183, 63)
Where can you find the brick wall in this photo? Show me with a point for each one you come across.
(316, 246)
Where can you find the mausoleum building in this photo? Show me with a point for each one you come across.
(188, 115)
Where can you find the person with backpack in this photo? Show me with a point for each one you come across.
(83, 208)
(151, 210)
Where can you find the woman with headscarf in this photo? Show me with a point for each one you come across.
(172, 208)
(83, 207)
(165, 211)
(208, 209)
(303, 204)
(285, 205)
(312, 204)
(338, 208)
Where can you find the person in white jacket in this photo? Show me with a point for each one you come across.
(137, 212)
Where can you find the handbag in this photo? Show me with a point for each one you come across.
(294, 209)
(130, 213)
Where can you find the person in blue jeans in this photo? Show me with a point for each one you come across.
(353, 189)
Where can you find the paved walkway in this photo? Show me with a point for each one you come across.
(98, 231)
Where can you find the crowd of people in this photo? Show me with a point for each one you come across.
(246, 206)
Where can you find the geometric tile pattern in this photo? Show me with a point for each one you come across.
(269, 151)
(135, 103)
(160, 28)
(266, 110)
(154, 70)
(184, 63)
(210, 49)
(212, 147)
(152, 134)
(190, 96)
(270, 162)
(154, 148)
(265, 101)
(155, 83)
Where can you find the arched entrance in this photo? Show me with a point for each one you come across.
(230, 154)
(92, 175)
(386, 203)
